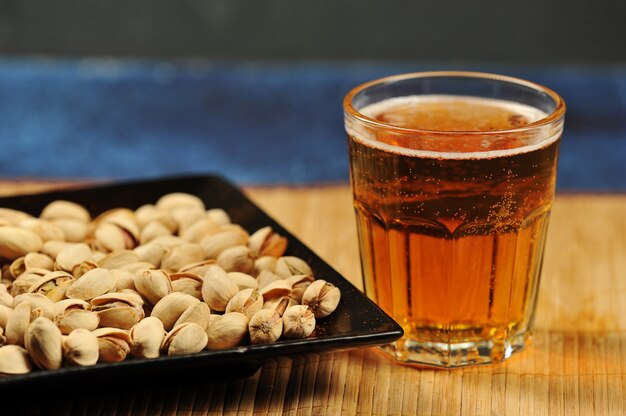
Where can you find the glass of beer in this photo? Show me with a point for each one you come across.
(453, 177)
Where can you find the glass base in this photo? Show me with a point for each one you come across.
(461, 354)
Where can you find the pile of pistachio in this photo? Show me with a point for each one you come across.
(169, 278)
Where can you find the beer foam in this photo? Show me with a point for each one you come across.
(531, 114)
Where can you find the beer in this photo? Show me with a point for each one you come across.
(452, 229)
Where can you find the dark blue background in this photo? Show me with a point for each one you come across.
(253, 123)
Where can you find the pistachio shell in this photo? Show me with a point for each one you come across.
(146, 337)
(14, 360)
(187, 216)
(198, 313)
(63, 305)
(24, 282)
(123, 279)
(218, 288)
(44, 344)
(113, 344)
(248, 302)
(31, 261)
(298, 322)
(236, 259)
(322, 297)
(214, 244)
(153, 230)
(46, 230)
(6, 299)
(117, 259)
(53, 285)
(5, 312)
(65, 209)
(39, 301)
(149, 213)
(189, 283)
(289, 265)
(94, 283)
(52, 248)
(266, 277)
(13, 216)
(266, 326)
(227, 331)
(16, 242)
(71, 256)
(168, 241)
(264, 263)
(153, 284)
(243, 280)
(182, 255)
(17, 324)
(198, 230)
(110, 237)
(74, 231)
(218, 216)
(176, 200)
(171, 307)
(82, 268)
(118, 310)
(276, 289)
(151, 253)
(81, 348)
(74, 318)
(265, 242)
(137, 266)
(186, 338)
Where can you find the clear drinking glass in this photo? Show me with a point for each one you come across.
(453, 177)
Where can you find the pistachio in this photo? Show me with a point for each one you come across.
(46, 230)
(24, 282)
(38, 301)
(214, 244)
(227, 331)
(274, 302)
(186, 338)
(80, 269)
(6, 299)
(277, 288)
(298, 322)
(152, 253)
(197, 313)
(243, 280)
(185, 217)
(43, 342)
(236, 259)
(299, 283)
(53, 285)
(153, 230)
(247, 302)
(189, 283)
(74, 231)
(176, 200)
(16, 242)
(5, 312)
(81, 348)
(265, 242)
(182, 255)
(146, 337)
(71, 256)
(264, 263)
(117, 259)
(198, 230)
(14, 360)
(13, 216)
(18, 321)
(118, 310)
(153, 284)
(322, 297)
(198, 268)
(265, 327)
(133, 268)
(52, 248)
(289, 265)
(266, 278)
(171, 307)
(3, 339)
(110, 237)
(94, 283)
(65, 209)
(73, 318)
(113, 344)
(218, 288)
(148, 213)
(218, 216)
(168, 241)
(31, 261)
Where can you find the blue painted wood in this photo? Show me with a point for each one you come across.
(253, 123)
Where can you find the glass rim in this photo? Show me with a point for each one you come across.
(555, 116)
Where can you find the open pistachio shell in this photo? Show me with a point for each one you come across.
(236, 259)
(39, 301)
(218, 288)
(186, 338)
(74, 318)
(182, 255)
(214, 244)
(153, 284)
(72, 255)
(53, 285)
(117, 259)
(46, 230)
(171, 307)
(189, 283)
(265, 242)
(118, 310)
(289, 265)
(113, 344)
(227, 331)
(198, 313)
(16, 242)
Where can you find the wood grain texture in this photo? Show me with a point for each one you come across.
(576, 366)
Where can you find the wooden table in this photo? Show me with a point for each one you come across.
(577, 365)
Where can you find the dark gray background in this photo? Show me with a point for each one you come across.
(524, 31)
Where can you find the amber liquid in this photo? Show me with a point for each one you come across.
(452, 235)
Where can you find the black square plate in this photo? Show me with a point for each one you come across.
(357, 322)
